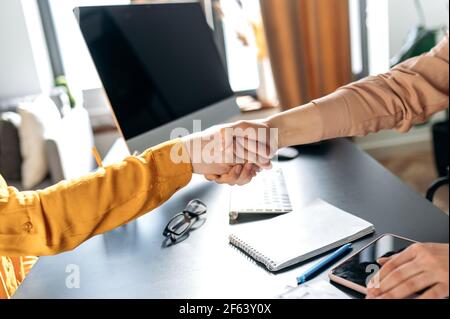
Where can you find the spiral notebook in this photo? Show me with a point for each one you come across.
(298, 236)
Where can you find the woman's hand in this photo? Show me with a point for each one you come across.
(421, 269)
(239, 175)
(250, 145)
(257, 142)
(252, 141)
(224, 162)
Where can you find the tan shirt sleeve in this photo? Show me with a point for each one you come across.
(409, 94)
(62, 217)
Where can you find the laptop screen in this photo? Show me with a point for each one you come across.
(157, 62)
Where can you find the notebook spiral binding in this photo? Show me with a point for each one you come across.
(269, 263)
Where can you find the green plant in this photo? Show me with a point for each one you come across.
(61, 81)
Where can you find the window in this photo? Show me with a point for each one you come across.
(358, 33)
(378, 34)
(239, 20)
(76, 60)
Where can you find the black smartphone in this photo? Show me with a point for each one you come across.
(357, 270)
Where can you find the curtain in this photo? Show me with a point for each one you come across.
(309, 47)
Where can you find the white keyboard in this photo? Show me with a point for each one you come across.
(266, 194)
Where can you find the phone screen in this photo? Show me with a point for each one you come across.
(362, 266)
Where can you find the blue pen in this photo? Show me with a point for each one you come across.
(334, 256)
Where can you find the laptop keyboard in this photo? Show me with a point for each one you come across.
(266, 194)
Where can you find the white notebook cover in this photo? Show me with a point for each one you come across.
(298, 236)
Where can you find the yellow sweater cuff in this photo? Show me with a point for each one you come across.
(172, 162)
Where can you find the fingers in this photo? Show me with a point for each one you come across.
(220, 169)
(255, 137)
(418, 267)
(383, 261)
(243, 151)
(399, 275)
(232, 177)
(398, 282)
(212, 178)
(253, 152)
(439, 291)
(409, 287)
(239, 175)
(260, 150)
(393, 263)
(247, 174)
(256, 131)
(207, 157)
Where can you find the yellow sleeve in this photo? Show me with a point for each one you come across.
(63, 216)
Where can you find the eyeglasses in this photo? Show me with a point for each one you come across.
(180, 225)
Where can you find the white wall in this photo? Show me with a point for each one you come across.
(39, 45)
(378, 31)
(403, 16)
(24, 63)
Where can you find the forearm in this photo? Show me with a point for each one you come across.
(301, 125)
(63, 216)
(407, 95)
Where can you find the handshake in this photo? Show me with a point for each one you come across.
(231, 154)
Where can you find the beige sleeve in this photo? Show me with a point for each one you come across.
(409, 94)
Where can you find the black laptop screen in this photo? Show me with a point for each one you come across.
(157, 62)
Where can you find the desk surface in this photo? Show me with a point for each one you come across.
(130, 262)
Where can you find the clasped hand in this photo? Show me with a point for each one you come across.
(232, 154)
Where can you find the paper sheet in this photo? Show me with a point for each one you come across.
(316, 290)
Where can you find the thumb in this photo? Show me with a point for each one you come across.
(212, 178)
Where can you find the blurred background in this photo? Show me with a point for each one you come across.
(279, 54)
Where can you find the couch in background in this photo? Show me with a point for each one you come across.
(67, 150)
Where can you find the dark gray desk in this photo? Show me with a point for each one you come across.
(131, 263)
